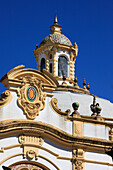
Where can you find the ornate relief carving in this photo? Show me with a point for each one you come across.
(31, 98)
(78, 156)
(53, 104)
(26, 166)
(78, 165)
(30, 151)
(76, 48)
(111, 134)
(77, 128)
(31, 154)
(6, 98)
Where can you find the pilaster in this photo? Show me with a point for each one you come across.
(78, 157)
(54, 63)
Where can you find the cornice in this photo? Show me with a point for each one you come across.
(72, 89)
(51, 45)
(17, 127)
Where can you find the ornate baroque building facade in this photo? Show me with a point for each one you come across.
(47, 122)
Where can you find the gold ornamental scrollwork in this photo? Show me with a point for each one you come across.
(31, 97)
(5, 98)
(78, 157)
(53, 104)
(111, 134)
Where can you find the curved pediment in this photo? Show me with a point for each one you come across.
(15, 77)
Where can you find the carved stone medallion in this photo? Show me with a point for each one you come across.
(31, 97)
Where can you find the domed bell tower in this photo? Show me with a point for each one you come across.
(56, 54)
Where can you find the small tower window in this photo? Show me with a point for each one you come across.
(62, 66)
(50, 67)
(42, 64)
(50, 56)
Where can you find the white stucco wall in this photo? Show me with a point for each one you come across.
(65, 100)
(96, 131)
(12, 111)
(102, 158)
(62, 164)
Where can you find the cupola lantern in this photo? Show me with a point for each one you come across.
(56, 54)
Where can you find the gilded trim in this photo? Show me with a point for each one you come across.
(49, 132)
(11, 156)
(54, 106)
(98, 162)
(30, 162)
(36, 146)
(78, 156)
(16, 76)
(6, 98)
(33, 145)
(72, 89)
(18, 154)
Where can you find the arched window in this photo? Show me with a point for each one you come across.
(50, 67)
(62, 66)
(24, 165)
(50, 56)
(43, 64)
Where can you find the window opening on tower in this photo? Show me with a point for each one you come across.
(42, 64)
(50, 67)
(62, 66)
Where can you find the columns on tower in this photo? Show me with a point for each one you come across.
(72, 62)
(47, 61)
(54, 63)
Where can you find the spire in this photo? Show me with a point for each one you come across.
(56, 28)
(55, 20)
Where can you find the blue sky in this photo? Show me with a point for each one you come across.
(25, 23)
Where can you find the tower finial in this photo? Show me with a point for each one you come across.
(55, 20)
(56, 28)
